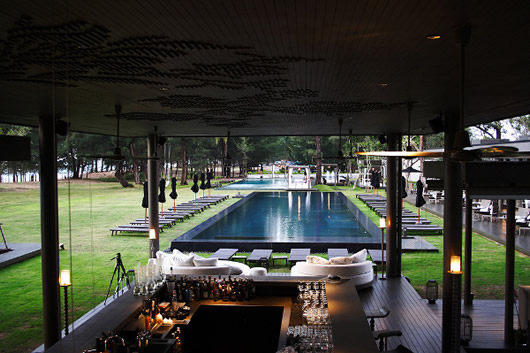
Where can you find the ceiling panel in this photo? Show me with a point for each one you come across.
(203, 68)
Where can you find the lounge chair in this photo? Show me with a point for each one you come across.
(297, 255)
(224, 253)
(337, 252)
(260, 256)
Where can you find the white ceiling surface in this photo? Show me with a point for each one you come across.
(260, 67)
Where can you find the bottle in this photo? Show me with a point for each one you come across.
(225, 294)
(178, 341)
(206, 290)
(174, 302)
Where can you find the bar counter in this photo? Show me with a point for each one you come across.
(350, 329)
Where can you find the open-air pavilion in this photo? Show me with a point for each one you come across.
(270, 68)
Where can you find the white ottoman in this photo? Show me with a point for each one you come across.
(258, 271)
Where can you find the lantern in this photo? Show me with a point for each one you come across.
(431, 290)
(466, 327)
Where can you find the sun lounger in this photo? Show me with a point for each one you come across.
(177, 214)
(297, 255)
(414, 220)
(337, 252)
(224, 253)
(133, 228)
(260, 256)
(424, 228)
(197, 208)
(163, 222)
(375, 254)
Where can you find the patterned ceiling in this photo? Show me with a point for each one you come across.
(194, 68)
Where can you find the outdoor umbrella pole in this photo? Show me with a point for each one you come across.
(145, 216)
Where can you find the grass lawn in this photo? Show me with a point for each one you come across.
(87, 211)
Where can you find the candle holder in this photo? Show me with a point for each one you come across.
(431, 291)
(64, 282)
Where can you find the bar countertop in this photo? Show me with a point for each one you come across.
(351, 332)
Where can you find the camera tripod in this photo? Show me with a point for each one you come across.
(120, 276)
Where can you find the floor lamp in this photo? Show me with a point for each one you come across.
(64, 282)
(382, 226)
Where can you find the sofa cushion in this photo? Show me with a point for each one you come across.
(359, 256)
(316, 260)
(199, 261)
(236, 268)
(308, 269)
(341, 260)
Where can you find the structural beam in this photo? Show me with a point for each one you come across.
(153, 179)
(393, 201)
(451, 313)
(468, 296)
(49, 231)
(509, 274)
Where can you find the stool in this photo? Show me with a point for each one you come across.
(258, 271)
(239, 257)
(376, 314)
(278, 258)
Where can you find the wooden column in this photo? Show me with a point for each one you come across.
(393, 200)
(509, 274)
(49, 231)
(452, 291)
(153, 179)
(468, 248)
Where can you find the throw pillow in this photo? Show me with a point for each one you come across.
(182, 260)
(341, 260)
(359, 256)
(316, 260)
(199, 261)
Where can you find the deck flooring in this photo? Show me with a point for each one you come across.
(488, 322)
(421, 323)
(409, 313)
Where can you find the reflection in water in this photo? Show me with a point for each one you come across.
(267, 217)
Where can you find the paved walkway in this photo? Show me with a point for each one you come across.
(493, 230)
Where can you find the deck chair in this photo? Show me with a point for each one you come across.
(297, 255)
(337, 252)
(260, 256)
(224, 253)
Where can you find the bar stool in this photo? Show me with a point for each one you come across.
(376, 314)
(382, 336)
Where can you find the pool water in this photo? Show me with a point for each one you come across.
(257, 184)
(286, 217)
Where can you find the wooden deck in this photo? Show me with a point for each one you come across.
(488, 323)
(409, 313)
(421, 323)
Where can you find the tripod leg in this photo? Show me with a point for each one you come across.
(125, 275)
(110, 284)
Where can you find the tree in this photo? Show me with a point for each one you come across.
(183, 180)
(520, 125)
(493, 130)
(318, 156)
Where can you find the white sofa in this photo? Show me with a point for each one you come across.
(171, 264)
(361, 273)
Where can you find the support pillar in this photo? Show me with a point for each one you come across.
(468, 296)
(153, 179)
(393, 200)
(509, 274)
(452, 292)
(49, 231)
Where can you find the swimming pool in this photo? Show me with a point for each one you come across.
(280, 220)
(257, 184)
